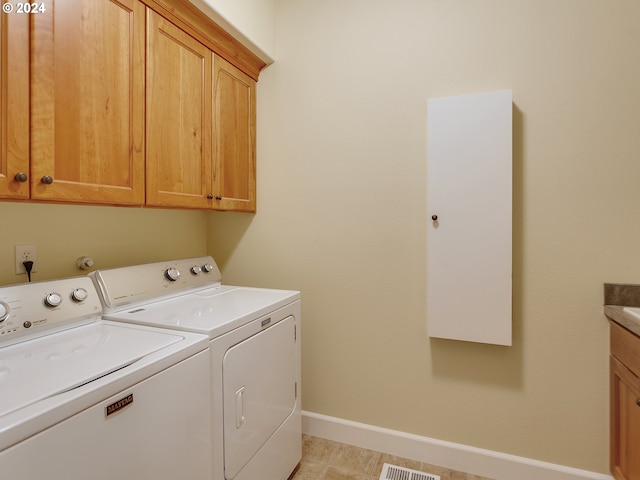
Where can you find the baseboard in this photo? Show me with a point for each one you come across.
(487, 463)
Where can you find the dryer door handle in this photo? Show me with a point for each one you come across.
(240, 418)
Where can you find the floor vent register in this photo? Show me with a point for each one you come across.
(393, 472)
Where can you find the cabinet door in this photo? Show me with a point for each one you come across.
(625, 423)
(469, 204)
(178, 117)
(234, 146)
(14, 106)
(87, 120)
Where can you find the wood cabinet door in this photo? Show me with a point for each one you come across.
(178, 117)
(87, 121)
(234, 186)
(14, 106)
(624, 423)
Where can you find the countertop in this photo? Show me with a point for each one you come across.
(618, 296)
(617, 314)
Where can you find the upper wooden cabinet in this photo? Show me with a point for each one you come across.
(178, 117)
(200, 151)
(234, 183)
(126, 102)
(14, 106)
(87, 102)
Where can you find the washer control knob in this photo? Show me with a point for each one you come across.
(172, 274)
(79, 295)
(52, 299)
(196, 270)
(27, 324)
(4, 311)
(207, 267)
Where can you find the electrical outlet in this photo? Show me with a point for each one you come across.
(24, 253)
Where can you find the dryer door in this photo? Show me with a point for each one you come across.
(259, 382)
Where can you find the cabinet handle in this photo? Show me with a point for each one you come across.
(21, 177)
(47, 180)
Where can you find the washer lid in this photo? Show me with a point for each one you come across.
(213, 311)
(33, 370)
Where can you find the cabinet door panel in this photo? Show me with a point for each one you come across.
(469, 200)
(625, 423)
(14, 105)
(235, 120)
(178, 117)
(88, 102)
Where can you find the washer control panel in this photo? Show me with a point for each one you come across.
(38, 308)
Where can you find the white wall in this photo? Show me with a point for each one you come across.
(342, 214)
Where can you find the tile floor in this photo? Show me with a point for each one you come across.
(327, 460)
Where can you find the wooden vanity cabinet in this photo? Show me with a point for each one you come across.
(87, 102)
(14, 106)
(624, 403)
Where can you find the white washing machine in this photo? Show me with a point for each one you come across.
(82, 398)
(255, 356)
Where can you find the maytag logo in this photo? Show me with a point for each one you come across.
(119, 405)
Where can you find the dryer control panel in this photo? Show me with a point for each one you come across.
(39, 308)
(125, 287)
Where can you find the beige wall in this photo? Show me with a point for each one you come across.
(252, 22)
(341, 211)
(111, 236)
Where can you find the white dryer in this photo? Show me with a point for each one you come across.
(255, 353)
(84, 398)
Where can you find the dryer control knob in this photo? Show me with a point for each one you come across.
(207, 267)
(52, 299)
(79, 295)
(172, 274)
(4, 311)
(196, 270)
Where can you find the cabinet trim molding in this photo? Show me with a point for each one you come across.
(193, 21)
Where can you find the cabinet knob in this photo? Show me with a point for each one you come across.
(47, 180)
(218, 197)
(210, 197)
(21, 177)
(638, 402)
(434, 217)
